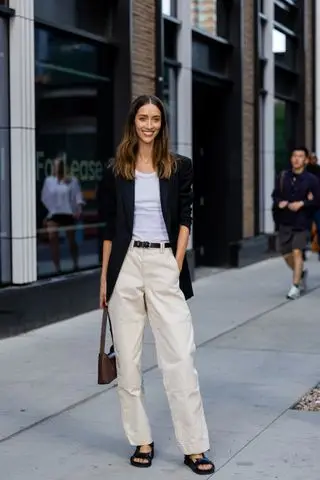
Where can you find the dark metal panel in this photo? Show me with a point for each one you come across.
(286, 83)
(122, 32)
(257, 85)
(301, 85)
(42, 303)
(210, 54)
(159, 21)
(234, 132)
(211, 79)
(6, 11)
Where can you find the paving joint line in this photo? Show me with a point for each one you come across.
(151, 368)
(255, 437)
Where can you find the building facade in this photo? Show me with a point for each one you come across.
(239, 83)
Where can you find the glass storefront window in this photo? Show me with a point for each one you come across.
(211, 16)
(170, 101)
(285, 124)
(284, 48)
(281, 159)
(89, 15)
(261, 6)
(73, 138)
(169, 7)
(5, 234)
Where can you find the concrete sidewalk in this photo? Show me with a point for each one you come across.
(257, 355)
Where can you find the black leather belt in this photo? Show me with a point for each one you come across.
(139, 244)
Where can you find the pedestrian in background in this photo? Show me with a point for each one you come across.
(148, 198)
(295, 195)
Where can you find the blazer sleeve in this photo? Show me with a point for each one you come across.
(107, 203)
(185, 192)
(277, 195)
(315, 190)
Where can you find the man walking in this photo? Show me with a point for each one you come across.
(295, 195)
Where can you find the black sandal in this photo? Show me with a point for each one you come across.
(147, 457)
(195, 464)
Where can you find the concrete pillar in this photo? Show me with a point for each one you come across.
(267, 129)
(23, 154)
(184, 90)
(184, 94)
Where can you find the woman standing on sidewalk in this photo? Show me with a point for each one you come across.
(147, 208)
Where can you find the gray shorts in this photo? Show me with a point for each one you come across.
(290, 239)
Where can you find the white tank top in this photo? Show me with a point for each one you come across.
(148, 223)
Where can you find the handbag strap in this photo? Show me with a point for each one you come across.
(105, 318)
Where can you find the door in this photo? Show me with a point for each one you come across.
(209, 230)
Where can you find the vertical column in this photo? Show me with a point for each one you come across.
(317, 76)
(184, 88)
(308, 43)
(143, 47)
(267, 140)
(248, 119)
(23, 156)
(5, 210)
(184, 95)
(122, 31)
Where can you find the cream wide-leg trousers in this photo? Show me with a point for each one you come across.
(148, 285)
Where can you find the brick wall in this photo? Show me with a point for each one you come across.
(248, 120)
(309, 74)
(143, 47)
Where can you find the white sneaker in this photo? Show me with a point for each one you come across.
(293, 293)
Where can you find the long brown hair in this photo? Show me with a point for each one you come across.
(125, 161)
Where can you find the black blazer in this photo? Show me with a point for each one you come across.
(116, 206)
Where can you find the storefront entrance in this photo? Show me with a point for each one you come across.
(210, 164)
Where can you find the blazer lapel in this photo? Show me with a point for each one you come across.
(128, 201)
(164, 197)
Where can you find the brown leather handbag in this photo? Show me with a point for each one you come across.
(107, 369)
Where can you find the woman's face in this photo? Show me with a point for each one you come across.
(148, 123)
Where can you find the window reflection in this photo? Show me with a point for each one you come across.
(278, 41)
(169, 7)
(204, 15)
(73, 138)
(170, 101)
(89, 15)
(284, 49)
(211, 16)
(280, 135)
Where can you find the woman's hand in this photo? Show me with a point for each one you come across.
(179, 261)
(103, 293)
